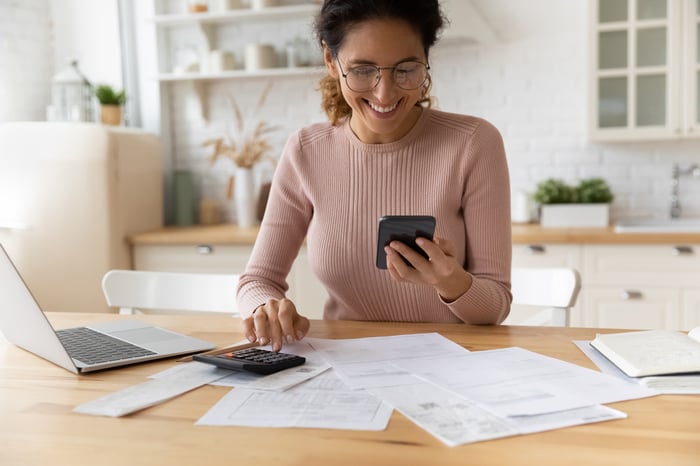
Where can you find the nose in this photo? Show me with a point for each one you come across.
(386, 87)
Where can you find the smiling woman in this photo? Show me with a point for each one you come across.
(384, 151)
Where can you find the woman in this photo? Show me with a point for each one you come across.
(383, 152)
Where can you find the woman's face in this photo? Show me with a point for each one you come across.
(387, 112)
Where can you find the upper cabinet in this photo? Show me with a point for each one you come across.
(644, 69)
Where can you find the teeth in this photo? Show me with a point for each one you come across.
(382, 109)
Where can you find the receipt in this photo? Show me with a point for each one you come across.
(187, 377)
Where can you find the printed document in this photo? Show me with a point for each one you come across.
(517, 382)
(368, 362)
(455, 420)
(322, 402)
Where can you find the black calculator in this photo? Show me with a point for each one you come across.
(255, 360)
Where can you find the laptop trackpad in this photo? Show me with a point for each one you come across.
(144, 336)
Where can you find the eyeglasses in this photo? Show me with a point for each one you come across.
(408, 75)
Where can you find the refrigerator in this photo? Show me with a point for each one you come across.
(70, 195)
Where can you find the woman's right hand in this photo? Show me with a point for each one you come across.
(276, 322)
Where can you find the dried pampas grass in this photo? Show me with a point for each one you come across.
(244, 146)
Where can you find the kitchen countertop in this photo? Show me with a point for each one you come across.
(522, 234)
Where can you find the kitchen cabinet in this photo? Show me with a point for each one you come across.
(626, 286)
(644, 66)
(650, 286)
(627, 280)
(690, 310)
(614, 307)
(304, 289)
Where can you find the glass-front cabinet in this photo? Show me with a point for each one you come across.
(645, 69)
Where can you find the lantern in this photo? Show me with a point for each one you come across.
(72, 95)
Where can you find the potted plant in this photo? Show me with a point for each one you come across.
(111, 102)
(584, 205)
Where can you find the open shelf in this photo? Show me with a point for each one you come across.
(242, 74)
(241, 14)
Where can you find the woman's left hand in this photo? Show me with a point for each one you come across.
(441, 270)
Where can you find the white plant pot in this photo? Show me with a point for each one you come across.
(575, 215)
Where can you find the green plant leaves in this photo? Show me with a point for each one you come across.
(588, 191)
(108, 96)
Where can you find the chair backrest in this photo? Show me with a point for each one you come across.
(554, 289)
(138, 290)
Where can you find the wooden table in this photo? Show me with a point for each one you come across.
(38, 427)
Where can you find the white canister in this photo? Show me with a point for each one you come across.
(259, 56)
(260, 4)
(521, 207)
(224, 5)
(221, 60)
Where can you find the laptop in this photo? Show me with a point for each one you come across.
(81, 349)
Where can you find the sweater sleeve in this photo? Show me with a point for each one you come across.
(284, 225)
(486, 208)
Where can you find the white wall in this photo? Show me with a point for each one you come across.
(88, 31)
(25, 59)
(39, 37)
(531, 84)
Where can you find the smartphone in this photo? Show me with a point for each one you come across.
(404, 228)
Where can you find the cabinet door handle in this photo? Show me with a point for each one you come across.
(629, 295)
(682, 250)
(204, 249)
(536, 249)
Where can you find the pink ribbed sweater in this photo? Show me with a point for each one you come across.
(331, 189)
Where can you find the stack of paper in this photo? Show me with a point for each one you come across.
(456, 395)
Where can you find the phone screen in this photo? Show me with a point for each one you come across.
(404, 228)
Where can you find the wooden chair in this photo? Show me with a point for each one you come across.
(543, 295)
(137, 291)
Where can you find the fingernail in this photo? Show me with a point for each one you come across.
(300, 335)
(420, 241)
(264, 341)
(290, 338)
(285, 340)
(251, 338)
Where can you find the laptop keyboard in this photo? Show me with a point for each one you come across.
(91, 347)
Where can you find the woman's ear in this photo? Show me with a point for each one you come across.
(329, 61)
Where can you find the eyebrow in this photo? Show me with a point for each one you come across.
(370, 62)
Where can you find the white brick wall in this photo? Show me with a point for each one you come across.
(532, 85)
(25, 59)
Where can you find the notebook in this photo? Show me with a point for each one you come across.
(82, 349)
(651, 352)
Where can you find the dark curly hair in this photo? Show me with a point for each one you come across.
(336, 19)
